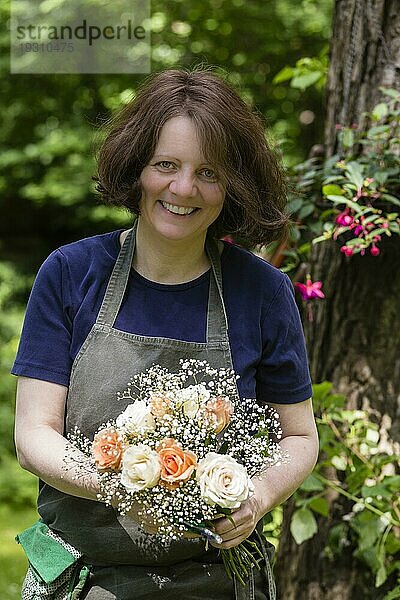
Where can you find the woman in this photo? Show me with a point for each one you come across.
(190, 159)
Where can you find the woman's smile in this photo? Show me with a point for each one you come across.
(178, 210)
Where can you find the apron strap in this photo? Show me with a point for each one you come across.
(118, 281)
(217, 323)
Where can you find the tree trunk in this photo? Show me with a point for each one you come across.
(354, 338)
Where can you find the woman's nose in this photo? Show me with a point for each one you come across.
(183, 184)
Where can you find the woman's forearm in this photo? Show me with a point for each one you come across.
(41, 447)
(277, 483)
(51, 457)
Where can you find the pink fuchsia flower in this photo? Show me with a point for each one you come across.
(344, 218)
(310, 290)
(375, 250)
(359, 229)
(347, 250)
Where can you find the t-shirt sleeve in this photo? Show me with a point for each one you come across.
(283, 375)
(44, 348)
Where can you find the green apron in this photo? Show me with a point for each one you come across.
(128, 563)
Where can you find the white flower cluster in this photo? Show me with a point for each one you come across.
(184, 447)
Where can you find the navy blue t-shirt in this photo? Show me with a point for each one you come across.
(265, 331)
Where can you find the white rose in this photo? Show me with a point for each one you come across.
(223, 481)
(136, 418)
(141, 468)
(190, 399)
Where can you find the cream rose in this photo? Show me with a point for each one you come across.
(218, 413)
(223, 481)
(190, 399)
(141, 468)
(136, 418)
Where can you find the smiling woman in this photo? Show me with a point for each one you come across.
(190, 160)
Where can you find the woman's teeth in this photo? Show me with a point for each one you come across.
(178, 210)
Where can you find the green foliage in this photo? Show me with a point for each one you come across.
(13, 286)
(353, 448)
(307, 72)
(351, 197)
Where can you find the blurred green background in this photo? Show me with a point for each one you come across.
(47, 135)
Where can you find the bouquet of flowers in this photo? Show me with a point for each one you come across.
(184, 450)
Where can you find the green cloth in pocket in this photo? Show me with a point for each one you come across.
(47, 557)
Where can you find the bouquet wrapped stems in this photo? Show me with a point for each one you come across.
(241, 559)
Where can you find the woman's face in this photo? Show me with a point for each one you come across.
(181, 193)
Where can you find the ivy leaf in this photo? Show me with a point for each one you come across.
(312, 484)
(369, 529)
(320, 505)
(303, 525)
(380, 111)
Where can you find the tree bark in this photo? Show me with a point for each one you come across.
(354, 338)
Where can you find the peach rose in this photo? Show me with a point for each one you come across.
(219, 412)
(160, 406)
(107, 449)
(177, 465)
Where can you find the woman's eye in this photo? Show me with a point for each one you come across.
(209, 174)
(164, 164)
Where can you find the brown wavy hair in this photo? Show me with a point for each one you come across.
(232, 139)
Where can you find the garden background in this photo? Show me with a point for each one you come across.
(325, 77)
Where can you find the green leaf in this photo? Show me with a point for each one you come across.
(302, 82)
(380, 111)
(355, 174)
(332, 189)
(284, 75)
(390, 92)
(294, 205)
(320, 505)
(348, 138)
(374, 132)
(303, 525)
(312, 484)
(369, 528)
(356, 479)
(223, 448)
(343, 200)
(372, 491)
(393, 594)
(305, 211)
(381, 576)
